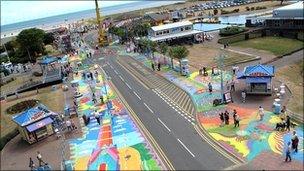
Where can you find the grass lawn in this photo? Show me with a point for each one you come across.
(276, 45)
(291, 75)
(203, 55)
(52, 99)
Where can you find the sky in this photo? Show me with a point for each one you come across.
(17, 11)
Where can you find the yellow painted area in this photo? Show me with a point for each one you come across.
(133, 162)
(81, 163)
(240, 146)
(106, 121)
(274, 119)
(84, 107)
(273, 143)
(193, 75)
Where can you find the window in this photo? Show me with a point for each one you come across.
(182, 29)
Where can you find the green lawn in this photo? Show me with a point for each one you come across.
(276, 45)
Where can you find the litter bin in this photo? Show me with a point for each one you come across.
(277, 108)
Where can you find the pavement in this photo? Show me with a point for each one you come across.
(253, 138)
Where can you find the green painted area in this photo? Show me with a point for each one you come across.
(225, 130)
(276, 45)
(145, 156)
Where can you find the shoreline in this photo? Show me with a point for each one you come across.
(137, 12)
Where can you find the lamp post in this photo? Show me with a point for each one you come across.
(220, 64)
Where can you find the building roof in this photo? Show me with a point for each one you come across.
(158, 17)
(171, 25)
(257, 71)
(32, 115)
(176, 35)
(48, 60)
(290, 11)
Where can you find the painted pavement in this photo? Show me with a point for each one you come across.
(117, 144)
(252, 138)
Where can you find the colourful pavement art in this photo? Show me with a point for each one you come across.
(251, 138)
(115, 144)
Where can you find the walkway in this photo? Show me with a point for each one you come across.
(253, 138)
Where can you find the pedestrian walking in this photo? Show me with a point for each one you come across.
(69, 125)
(97, 117)
(288, 123)
(39, 157)
(158, 66)
(288, 151)
(32, 164)
(243, 96)
(261, 113)
(232, 86)
(152, 65)
(294, 141)
(222, 118)
(226, 117)
(210, 87)
(236, 118)
(94, 98)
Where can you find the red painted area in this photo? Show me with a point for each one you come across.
(240, 110)
(102, 167)
(84, 100)
(105, 136)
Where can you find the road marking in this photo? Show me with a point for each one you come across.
(164, 125)
(136, 95)
(185, 147)
(128, 85)
(148, 108)
(115, 71)
(145, 130)
(121, 78)
(111, 67)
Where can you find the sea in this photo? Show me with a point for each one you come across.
(13, 29)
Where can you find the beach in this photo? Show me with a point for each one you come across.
(11, 30)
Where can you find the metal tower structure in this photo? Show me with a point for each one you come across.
(102, 38)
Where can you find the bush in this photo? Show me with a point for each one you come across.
(228, 31)
(21, 106)
(229, 12)
(37, 74)
(247, 8)
(252, 8)
(5, 139)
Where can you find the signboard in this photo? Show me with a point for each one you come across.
(258, 74)
(227, 97)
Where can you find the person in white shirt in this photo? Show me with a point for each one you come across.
(69, 124)
(261, 113)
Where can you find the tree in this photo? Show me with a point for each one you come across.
(163, 50)
(31, 41)
(48, 38)
(171, 57)
(282, 2)
(179, 52)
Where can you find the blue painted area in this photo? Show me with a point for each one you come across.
(287, 138)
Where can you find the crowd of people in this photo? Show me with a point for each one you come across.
(224, 117)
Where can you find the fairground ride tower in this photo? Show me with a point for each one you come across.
(102, 38)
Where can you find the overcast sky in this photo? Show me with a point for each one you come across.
(17, 11)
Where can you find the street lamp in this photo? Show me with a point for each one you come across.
(220, 63)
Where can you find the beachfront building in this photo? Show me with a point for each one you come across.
(156, 19)
(258, 79)
(173, 31)
(35, 124)
(290, 17)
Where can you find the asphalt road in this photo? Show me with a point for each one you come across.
(177, 137)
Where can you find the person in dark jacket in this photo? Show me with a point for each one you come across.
(287, 123)
(226, 117)
(222, 118)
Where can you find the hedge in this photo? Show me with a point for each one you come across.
(5, 139)
(228, 31)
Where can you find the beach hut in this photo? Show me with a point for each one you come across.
(35, 123)
(258, 79)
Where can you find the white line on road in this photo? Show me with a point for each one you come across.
(115, 71)
(185, 147)
(128, 86)
(136, 95)
(121, 78)
(148, 108)
(111, 67)
(164, 125)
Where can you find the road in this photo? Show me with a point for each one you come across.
(176, 136)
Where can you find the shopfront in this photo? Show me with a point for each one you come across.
(35, 123)
(258, 79)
